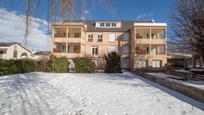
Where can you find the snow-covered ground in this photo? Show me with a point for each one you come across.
(90, 94)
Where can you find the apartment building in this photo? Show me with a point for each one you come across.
(141, 44)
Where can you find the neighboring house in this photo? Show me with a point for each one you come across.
(13, 50)
(141, 44)
(41, 55)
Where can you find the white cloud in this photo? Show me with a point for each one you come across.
(145, 15)
(12, 29)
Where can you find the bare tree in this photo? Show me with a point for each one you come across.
(188, 26)
(57, 10)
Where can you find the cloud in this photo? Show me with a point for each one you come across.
(145, 15)
(12, 29)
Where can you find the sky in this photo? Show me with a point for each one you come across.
(12, 17)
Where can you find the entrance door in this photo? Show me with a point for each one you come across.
(125, 63)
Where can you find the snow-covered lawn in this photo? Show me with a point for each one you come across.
(90, 94)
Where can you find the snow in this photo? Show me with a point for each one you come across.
(183, 70)
(90, 94)
(197, 84)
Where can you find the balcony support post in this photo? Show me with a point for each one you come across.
(52, 39)
(150, 34)
(66, 50)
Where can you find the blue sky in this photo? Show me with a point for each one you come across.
(159, 10)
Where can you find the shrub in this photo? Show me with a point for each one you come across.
(59, 65)
(168, 68)
(25, 65)
(44, 65)
(7, 67)
(176, 62)
(84, 65)
(113, 63)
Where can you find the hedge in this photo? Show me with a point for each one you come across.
(84, 65)
(60, 65)
(17, 66)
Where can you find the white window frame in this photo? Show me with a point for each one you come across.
(155, 64)
(108, 23)
(102, 25)
(143, 63)
(89, 36)
(92, 52)
(114, 23)
(100, 38)
(112, 39)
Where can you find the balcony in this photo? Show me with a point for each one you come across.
(68, 55)
(71, 40)
(67, 35)
(149, 49)
(150, 36)
(150, 41)
(74, 48)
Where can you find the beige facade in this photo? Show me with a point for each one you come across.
(140, 44)
(13, 51)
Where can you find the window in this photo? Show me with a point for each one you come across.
(112, 49)
(113, 24)
(112, 37)
(94, 50)
(153, 36)
(161, 49)
(125, 36)
(74, 32)
(102, 24)
(1, 52)
(100, 37)
(147, 36)
(154, 49)
(76, 49)
(64, 49)
(15, 54)
(77, 35)
(162, 34)
(60, 32)
(125, 49)
(143, 63)
(156, 63)
(90, 36)
(107, 24)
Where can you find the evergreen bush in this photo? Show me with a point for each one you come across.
(113, 63)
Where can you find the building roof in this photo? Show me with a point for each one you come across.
(42, 53)
(7, 44)
(150, 24)
(125, 24)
